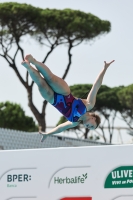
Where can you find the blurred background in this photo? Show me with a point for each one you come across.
(74, 35)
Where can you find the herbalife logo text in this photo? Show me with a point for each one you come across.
(68, 180)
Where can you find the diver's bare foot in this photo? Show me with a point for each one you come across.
(26, 64)
(30, 58)
(44, 136)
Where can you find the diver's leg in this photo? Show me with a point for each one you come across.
(45, 90)
(55, 82)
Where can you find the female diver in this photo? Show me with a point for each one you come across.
(56, 91)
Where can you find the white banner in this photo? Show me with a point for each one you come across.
(83, 173)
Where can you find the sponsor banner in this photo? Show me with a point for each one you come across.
(121, 177)
(87, 173)
(70, 176)
(19, 181)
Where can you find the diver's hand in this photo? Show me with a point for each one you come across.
(44, 135)
(106, 65)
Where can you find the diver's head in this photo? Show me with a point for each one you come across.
(91, 121)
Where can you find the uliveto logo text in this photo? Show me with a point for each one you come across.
(69, 180)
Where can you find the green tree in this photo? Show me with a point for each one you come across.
(126, 99)
(108, 105)
(50, 27)
(12, 116)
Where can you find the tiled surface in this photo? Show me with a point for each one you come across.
(11, 139)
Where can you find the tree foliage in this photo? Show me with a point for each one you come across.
(12, 116)
(108, 106)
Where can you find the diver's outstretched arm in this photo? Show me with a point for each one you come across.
(91, 99)
(59, 129)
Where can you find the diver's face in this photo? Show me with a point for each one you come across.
(90, 123)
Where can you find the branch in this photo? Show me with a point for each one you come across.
(18, 75)
(16, 54)
(39, 117)
(124, 118)
(86, 133)
(102, 129)
(21, 50)
(32, 83)
(27, 77)
(113, 119)
(78, 43)
(6, 59)
(70, 60)
(51, 49)
(44, 107)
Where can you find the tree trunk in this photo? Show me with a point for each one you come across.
(40, 117)
(86, 133)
